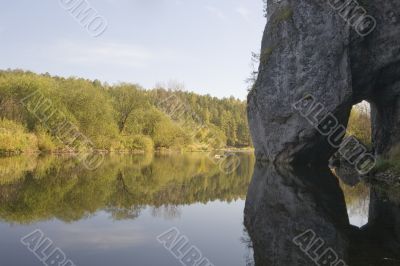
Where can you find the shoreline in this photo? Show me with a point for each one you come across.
(6, 154)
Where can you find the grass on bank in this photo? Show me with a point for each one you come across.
(15, 140)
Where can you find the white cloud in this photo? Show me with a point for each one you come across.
(110, 53)
(243, 12)
(216, 12)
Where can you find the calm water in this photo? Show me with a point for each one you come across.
(113, 215)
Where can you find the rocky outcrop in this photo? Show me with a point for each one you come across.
(321, 48)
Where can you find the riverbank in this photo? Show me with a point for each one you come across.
(218, 152)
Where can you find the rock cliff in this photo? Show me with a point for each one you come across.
(339, 52)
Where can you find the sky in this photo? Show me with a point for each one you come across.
(204, 44)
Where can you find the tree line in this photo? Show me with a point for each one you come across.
(121, 117)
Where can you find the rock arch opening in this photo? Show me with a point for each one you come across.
(359, 124)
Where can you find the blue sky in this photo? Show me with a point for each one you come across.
(204, 44)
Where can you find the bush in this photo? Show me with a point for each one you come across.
(168, 134)
(211, 137)
(14, 139)
(45, 141)
(138, 143)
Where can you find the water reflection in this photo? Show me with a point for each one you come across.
(35, 189)
(112, 216)
(283, 203)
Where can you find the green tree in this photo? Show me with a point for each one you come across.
(126, 99)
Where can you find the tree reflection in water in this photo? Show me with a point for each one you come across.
(280, 204)
(38, 189)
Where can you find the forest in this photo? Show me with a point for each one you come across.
(115, 118)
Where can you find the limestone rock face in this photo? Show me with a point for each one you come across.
(310, 48)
